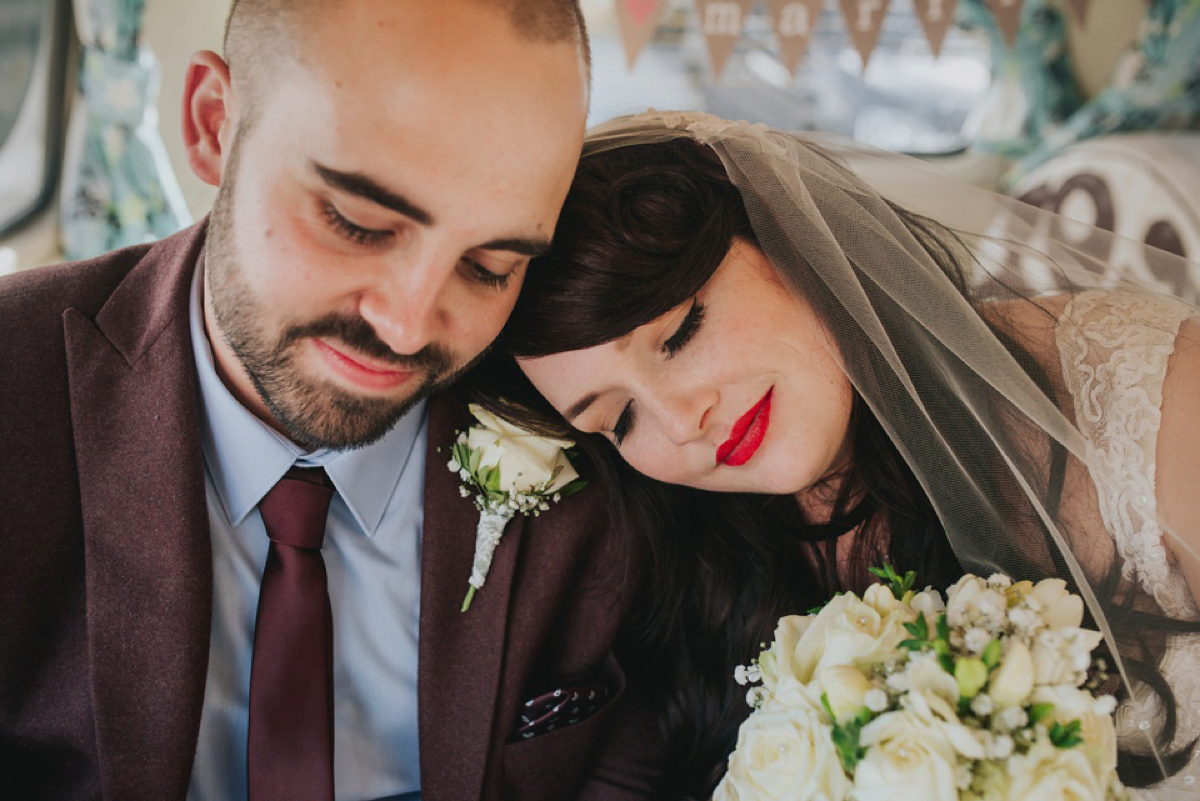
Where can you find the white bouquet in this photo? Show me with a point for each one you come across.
(987, 695)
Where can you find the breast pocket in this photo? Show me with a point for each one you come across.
(553, 763)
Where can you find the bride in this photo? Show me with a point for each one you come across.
(792, 377)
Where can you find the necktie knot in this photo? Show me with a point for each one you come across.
(294, 510)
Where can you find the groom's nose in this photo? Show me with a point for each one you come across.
(409, 308)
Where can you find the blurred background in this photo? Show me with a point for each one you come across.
(1089, 107)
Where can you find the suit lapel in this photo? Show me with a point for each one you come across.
(461, 653)
(148, 564)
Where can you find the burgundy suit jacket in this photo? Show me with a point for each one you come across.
(106, 578)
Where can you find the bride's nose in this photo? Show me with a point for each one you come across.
(685, 414)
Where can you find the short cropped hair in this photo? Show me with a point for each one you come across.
(255, 29)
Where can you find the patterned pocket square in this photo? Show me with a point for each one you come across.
(562, 707)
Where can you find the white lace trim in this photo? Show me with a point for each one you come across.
(1114, 347)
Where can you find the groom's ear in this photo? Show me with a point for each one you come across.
(209, 115)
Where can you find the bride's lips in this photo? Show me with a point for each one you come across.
(358, 372)
(747, 434)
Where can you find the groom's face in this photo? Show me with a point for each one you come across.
(382, 191)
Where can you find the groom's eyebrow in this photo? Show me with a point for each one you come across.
(525, 247)
(581, 406)
(355, 183)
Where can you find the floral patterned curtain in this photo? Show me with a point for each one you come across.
(118, 186)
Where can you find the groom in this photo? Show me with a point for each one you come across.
(386, 170)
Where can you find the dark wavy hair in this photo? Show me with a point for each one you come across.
(642, 230)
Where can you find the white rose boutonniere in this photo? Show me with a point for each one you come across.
(507, 470)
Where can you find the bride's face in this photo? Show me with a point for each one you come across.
(738, 390)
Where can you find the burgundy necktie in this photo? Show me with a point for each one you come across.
(290, 747)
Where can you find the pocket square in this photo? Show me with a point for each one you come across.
(558, 708)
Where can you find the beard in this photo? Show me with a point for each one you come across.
(314, 413)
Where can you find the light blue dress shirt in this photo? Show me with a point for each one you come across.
(372, 554)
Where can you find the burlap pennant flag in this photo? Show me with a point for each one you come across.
(1008, 17)
(721, 23)
(864, 20)
(636, 21)
(794, 22)
(936, 17)
(1079, 8)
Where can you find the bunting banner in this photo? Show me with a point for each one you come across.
(864, 21)
(637, 20)
(936, 16)
(721, 23)
(1008, 17)
(793, 22)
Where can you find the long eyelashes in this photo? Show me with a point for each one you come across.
(354, 233)
(624, 424)
(687, 329)
(674, 344)
(485, 276)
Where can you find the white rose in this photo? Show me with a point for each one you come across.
(849, 631)
(1055, 652)
(1098, 730)
(1049, 773)
(526, 461)
(924, 674)
(781, 676)
(880, 598)
(1058, 607)
(930, 604)
(912, 753)
(784, 752)
(1012, 682)
(845, 687)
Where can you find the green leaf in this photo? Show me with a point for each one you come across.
(919, 628)
(572, 487)
(491, 479)
(943, 628)
(1066, 735)
(899, 585)
(825, 705)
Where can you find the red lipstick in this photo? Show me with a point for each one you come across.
(747, 434)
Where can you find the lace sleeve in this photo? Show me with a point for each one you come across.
(1114, 347)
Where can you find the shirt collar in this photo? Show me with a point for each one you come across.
(246, 457)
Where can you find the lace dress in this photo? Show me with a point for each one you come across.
(1114, 348)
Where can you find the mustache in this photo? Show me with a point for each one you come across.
(359, 335)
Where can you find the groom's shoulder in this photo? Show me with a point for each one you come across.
(30, 296)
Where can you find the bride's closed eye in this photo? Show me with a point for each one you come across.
(623, 425)
(671, 348)
(686, 330)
